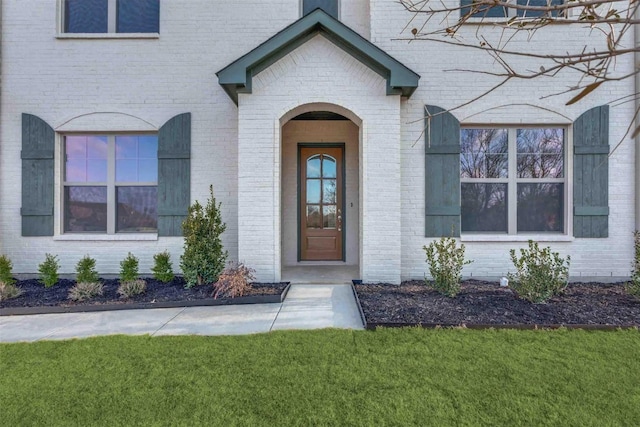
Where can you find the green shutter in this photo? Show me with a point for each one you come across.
(38, 142)
(591, 173)
(442, 173)
(174, 174)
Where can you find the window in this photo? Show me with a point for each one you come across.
(329, 6)
(110, 183)
(111, 16)
(513, 180)
(486, 11)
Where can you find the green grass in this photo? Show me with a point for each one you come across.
(329, 377)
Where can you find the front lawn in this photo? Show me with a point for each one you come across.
(331, 377)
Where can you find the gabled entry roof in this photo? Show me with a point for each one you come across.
(236, 77)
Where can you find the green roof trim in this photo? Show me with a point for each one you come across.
(236, 77)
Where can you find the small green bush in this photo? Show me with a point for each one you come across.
(8, 291)
(86, 270)
(132, 288)
(162, 269)
(6, 275)
(204, 257)
(634, 285)
(445, 261)
(129, 268)
(48, 270)
(540, 273)
(235, 281)
(85, 290)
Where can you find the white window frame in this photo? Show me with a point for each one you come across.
(112, 7)
(110, 183)
(512, 182)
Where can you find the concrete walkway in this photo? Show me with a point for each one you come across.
(306, 307)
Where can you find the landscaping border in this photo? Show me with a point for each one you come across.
(205, 302)
(372, 326)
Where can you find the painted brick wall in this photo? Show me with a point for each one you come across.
(518, 102)
(150, 79)
(337, 79)
(155, 79)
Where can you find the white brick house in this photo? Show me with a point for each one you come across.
(310, 126)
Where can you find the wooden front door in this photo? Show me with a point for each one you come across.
(321, 203)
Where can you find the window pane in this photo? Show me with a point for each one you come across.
(328, 167)
(137, 209)
(85, 16)
(313, 217)
(138, 16)
(148, 146)
(148, 170)
(484, 207)
(540, 207)
(537, 13)
(75, 147)
(126, 147)
(329, 191)
(86, 158)
(126, 170)
(329, 6)
(313, 167)
(329, 217)
(483, 153)
(483, 11)
(137, 158)
(540, 153)
(85, 209)
(96, 170)
(313, 191)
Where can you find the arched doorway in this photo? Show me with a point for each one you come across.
(320, 195)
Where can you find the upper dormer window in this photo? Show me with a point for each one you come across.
(111, 16)
(329, 6)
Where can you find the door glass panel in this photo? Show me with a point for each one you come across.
(329, 191)
(313, 191)
(313, 167)
(329, 216)
(313, 217)
(328, 167)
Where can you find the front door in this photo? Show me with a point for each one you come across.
(321, 198)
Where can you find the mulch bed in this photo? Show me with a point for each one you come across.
(157, 293)
(482, 303)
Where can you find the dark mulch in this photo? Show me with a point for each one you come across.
(486, 303)
(36, 295)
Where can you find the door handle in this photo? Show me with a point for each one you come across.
(339, 220)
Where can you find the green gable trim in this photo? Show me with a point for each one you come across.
(236, 77)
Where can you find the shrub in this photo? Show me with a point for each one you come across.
(8, 291)
(634, 285)
(204, 257)
(48, 270)
(445, 261)
(6, 275)
(85, 290)
(129, 268)
(540, 273)
(162, 269)
(86, 270)
(234, 281)
(132, 288)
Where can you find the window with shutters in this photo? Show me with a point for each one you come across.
(487, 11)
(513, 180)
(111, 16)
(110, 183)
